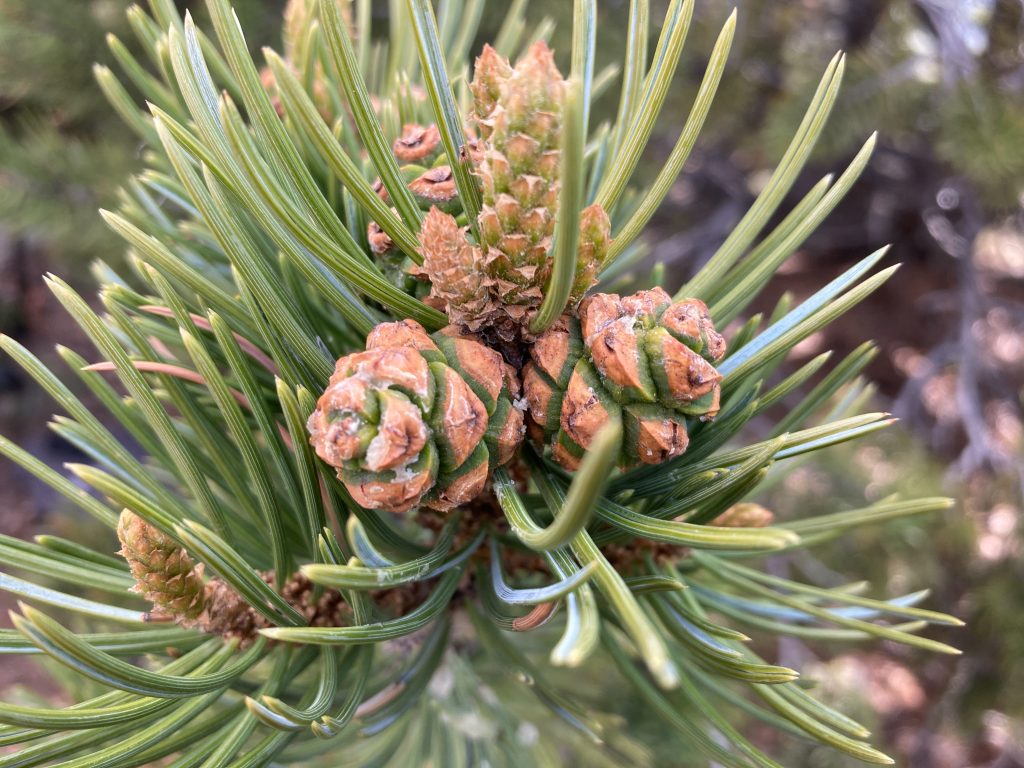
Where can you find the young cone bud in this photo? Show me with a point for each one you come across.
(641, 358)
(417, 418)
(435, 188)
(418, 144)
(165, 576)
(450, 263)
(163, 571)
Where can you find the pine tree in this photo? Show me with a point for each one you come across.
(350, 520)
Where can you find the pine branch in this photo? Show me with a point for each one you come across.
(329, 381)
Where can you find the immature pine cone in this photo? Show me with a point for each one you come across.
(496, 286)
(417, 418)
(163, 571)
(642, 358)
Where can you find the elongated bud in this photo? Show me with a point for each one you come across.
(298, 18)
(164, 573)
(269, 83)
(517, 114)
(491, 72)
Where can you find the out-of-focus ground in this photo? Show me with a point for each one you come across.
(942, 81)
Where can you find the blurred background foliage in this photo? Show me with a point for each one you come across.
(942, 81)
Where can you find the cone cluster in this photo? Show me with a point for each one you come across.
(417, 419)
(422, 420)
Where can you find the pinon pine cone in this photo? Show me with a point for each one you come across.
(417, 419)
(164, 573)
(641, 358)
(495, 287)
